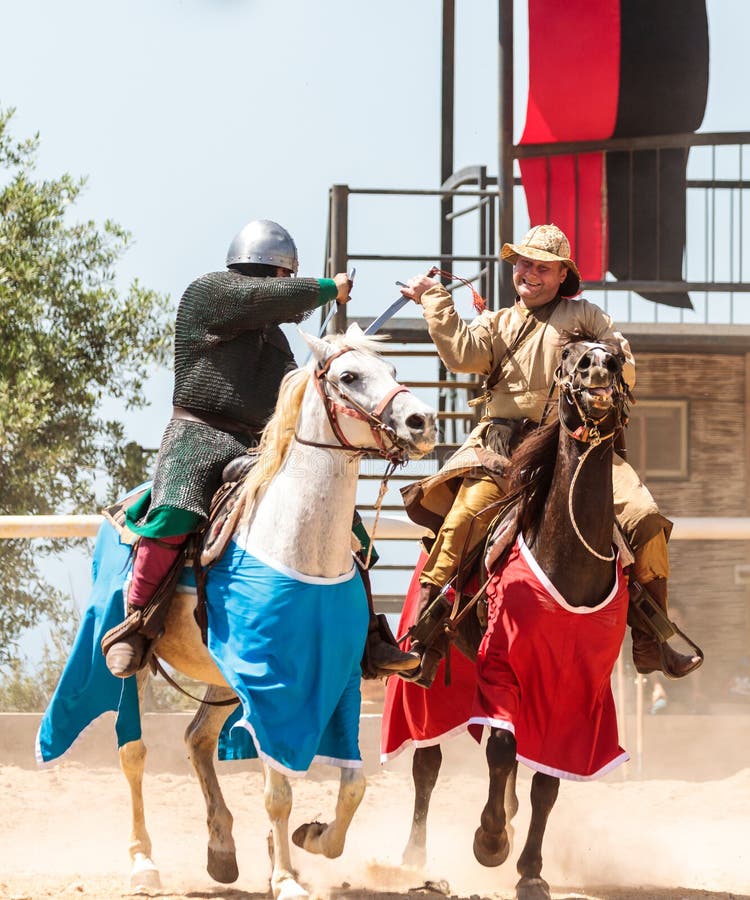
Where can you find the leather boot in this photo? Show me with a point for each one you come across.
(427, 593)
(653, 655)
(423, 629)
(382, 655)
(385, 656)
(126, 650)
(129, 653)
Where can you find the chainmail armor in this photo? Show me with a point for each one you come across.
(230, 354)
(189, 465)
(230, 358)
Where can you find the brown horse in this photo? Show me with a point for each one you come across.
(564, 518)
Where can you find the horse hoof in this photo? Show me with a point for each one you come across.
(222, 866)
(288, 889)
(491, 850)
(307, 832)
(532, 889)
(144, 876)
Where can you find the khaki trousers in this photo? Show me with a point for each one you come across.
(634, 506)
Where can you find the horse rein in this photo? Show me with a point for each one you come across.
(395, 453)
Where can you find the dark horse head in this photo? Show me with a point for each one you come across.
(592, 406)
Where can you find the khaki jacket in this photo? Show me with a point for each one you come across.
(527, 374)
(520, 392)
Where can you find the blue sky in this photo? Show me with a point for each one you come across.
(191, 117)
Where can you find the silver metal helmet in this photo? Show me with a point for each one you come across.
(266, 242)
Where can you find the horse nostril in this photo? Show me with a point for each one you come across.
(415, 422)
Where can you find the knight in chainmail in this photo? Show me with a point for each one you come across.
(230, 356)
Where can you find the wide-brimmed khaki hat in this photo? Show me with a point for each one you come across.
(548, 243)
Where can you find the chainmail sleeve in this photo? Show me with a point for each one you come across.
(230, 354)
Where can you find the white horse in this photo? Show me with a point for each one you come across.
(298, 505)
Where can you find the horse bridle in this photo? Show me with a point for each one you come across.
(395, 452)
(588, 433)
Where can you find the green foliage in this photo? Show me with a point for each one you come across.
(29, 689)
(70, 340)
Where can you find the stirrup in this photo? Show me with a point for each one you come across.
(424, 674)
(131, 624)
(645, 615)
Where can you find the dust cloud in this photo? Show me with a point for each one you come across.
(64, 832)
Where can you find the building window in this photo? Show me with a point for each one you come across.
(657, 439)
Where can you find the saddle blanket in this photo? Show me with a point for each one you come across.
(544, 671)
(290, 646)
(415, 717)
(87, 689)
(323, 624)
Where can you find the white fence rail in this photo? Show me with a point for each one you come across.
(390, 528)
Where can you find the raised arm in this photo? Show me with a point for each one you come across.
(462, 347)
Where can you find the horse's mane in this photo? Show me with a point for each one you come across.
(278, 433)
(532, 463)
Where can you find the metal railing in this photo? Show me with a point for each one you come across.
(716, 236)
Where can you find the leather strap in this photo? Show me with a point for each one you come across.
(222, 423)
(534, 319)
(158, 667)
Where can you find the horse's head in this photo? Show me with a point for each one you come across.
(593, 394)
(366, 407)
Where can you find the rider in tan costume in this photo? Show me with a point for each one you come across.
(517, 350)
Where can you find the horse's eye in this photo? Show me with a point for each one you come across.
(566, 353)
(347, 377)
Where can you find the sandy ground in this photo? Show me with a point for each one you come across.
(64, 833)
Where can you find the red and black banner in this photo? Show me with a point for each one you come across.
(616, 69)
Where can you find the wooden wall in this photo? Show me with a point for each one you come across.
(702, 584)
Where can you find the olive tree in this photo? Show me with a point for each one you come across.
(69, 339)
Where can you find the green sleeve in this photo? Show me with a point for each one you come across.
(328, 290)
(361, 534)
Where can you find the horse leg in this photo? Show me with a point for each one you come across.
(511, 804)
(425, 767)
(278, 798)
(316, 837)
(491, 841)
(201, 737)
(143, 873)
(532, 886)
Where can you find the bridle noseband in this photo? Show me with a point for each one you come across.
(396, 452)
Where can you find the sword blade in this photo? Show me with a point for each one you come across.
(389, 313)
(326, 322)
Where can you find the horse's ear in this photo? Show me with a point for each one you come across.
(354, 331)
(319, 348)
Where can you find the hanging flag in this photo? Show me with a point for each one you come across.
(615, 68)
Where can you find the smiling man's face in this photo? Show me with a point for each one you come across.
(537, 281)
